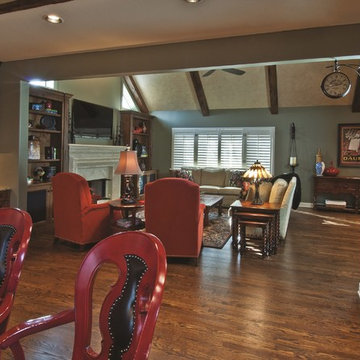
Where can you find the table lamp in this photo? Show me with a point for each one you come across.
(128, 166)
(255, 174)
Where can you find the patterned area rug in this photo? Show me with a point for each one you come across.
(218, 232)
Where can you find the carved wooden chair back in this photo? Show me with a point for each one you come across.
(129, 311)
(15, 232)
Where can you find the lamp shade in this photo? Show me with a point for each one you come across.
(257, 172)
(128, 164)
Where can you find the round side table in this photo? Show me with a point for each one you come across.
(129, 220)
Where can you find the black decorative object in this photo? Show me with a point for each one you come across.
(293, 161)
(48, 122)
(137, 147)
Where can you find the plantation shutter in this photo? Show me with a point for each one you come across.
(183, 150)
(207, 150)
(231, 150)
(258, 147)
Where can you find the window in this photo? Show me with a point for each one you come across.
(127, 101)
(223, 147)
(183, 150)
(49, 84)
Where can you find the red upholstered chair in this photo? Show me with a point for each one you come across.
(174, 214)
(15, 231)
(76, 219)
(129, 311)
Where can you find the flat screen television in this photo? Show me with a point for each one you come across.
(91, 119)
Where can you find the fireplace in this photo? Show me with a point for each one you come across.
(97, 163)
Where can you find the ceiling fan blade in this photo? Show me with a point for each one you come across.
(234, 71)
(208, 73)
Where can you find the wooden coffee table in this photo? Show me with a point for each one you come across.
(211, 201)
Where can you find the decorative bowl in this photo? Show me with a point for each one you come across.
(331, 170)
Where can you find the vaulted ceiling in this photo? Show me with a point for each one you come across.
(298, 85)
(92, 25)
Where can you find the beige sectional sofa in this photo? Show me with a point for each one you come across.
(224, 182)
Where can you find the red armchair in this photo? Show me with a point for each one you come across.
(15, 231)
(76, 219)
(174, 214)
(130, 307)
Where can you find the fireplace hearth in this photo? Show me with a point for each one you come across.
(97, 163)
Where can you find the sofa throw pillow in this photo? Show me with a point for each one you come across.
(278, 190)
(264, 191)
(289, 192)
(213, 177)
(183, 174)
(235, 178)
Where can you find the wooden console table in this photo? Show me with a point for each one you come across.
(340, 188)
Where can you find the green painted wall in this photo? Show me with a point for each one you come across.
(316, 127)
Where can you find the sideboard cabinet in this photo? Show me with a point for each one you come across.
(341, 193)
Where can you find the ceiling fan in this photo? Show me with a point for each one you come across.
(230, 71)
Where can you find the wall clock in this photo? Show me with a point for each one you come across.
(336, 84)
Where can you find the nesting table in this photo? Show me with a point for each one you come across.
(265, 216)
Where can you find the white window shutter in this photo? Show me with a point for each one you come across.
(207, 150)
(231, 150)
(258, 147)
(183, 150)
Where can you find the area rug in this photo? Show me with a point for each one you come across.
(218, 232)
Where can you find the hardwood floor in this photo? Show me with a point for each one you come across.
(301, 303)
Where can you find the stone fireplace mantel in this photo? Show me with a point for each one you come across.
(95, 162)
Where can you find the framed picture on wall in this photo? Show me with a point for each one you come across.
(349, 145)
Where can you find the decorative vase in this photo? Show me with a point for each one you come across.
(33, 148)
(319, 165)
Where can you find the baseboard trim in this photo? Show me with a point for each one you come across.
(306, 205)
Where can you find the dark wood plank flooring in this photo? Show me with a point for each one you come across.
(301, 303)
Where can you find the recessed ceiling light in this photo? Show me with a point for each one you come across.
(192, 1)
(53, 19)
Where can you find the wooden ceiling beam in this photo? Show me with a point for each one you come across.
(356, 99)
(272, 88)
(17, 5)
(135, 93)
(200, 94)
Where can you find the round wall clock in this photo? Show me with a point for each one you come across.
(336, 85)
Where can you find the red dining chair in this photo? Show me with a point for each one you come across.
(129, 311)
(15, 231)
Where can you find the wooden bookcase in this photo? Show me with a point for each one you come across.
(48, 130)
(135, 129)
